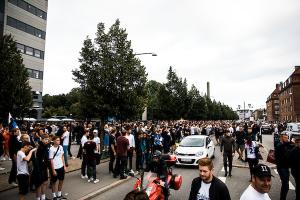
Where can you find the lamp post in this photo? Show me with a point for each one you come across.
(152, 54)
(144, 115)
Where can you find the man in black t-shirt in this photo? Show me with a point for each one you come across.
(112, 150)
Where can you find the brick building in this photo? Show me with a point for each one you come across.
(273, 105)
(289, 99)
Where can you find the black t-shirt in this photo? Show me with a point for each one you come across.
(112, 141)
(90, 148)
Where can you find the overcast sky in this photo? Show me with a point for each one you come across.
(243, 48)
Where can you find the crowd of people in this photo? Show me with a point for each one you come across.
(47, 147)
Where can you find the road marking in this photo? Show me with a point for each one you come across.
(223, 169)
(291, 186)
(275, 170)
(223, 179)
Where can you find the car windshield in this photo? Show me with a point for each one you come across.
(192, 142)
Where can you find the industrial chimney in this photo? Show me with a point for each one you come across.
(208, 90)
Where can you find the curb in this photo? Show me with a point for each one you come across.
(104, 189)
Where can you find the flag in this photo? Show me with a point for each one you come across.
(12, 123)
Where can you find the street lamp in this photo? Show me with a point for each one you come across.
(152, 54)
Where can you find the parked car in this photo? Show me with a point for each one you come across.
(266, 129)
(194, 147)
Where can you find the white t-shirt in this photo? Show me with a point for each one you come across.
(83, 140)
(57, 161)
(97, 141)
(250, 193)
(250, 150)
(65, 136)
(131, 140)
(203, 193)
(22, 166)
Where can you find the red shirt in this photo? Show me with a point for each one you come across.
(122, 146)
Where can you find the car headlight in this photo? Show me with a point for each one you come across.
(200, 153)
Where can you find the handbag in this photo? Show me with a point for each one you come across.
(271, 157)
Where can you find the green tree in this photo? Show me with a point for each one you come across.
(15, 92)
(111, 78)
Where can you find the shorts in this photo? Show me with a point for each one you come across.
(44, 174)
(23, 182)
(60, 175)
(239, 146)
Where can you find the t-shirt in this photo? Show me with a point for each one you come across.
(90, 147)
(250, 193)
(57, 160)
(22, 166)
(97, 141)
(203, 193)
(65, 136)
(122, 146)
(112, 141)
(250, 150)
(83, 140)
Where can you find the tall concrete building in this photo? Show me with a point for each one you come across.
(26, 21)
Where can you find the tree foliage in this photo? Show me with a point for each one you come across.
(111, 78)
(15, 92)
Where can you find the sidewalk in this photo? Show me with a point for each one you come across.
(74, 187)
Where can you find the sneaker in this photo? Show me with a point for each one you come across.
(9, 159)
(90, 180)
(1, 168)
(3, 159)
(73, 158)
(84, 177)
(14, 184)
(96, 181)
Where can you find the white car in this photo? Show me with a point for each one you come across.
(192, 148)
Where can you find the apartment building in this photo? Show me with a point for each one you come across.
(26, 21)
(273, 105)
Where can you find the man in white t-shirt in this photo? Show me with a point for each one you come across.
(22, 168)
(260, 185)
(58, 168)
(207, 186)
(65, 143)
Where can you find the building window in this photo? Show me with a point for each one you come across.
(29, 51)
(21, 47)
(25, 27)
(30, 8)
(36, 74)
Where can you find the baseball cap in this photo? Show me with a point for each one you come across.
(95, 131)
(262, 171)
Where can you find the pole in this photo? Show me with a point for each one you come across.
(244, 111)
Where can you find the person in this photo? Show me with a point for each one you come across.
(58, 168)
(207, 186)
(295, 166)
(240, 137)
(131, 140)
(65, 138)
(136, 195)
(260, 184)
(282, 151)
(22, 168)
(159, 166)
(15, 145)
(121, 162)
(250, 154)
(112, 150)
(41, 167)
(228, 149)
(84, 139)
(90, 148)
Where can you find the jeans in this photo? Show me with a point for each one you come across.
(252, 162)
(284, 174)
(83, 165)
(129, 156)
(121, 164)
(13, 172)
(111, 162)
(65, 148)
(91, 169)
(227, 156)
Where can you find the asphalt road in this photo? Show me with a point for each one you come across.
(236, 184)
